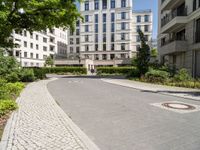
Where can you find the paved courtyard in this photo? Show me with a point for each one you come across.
(115, 117)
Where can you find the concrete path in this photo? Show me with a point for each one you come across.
(40, 124)
(187, 93)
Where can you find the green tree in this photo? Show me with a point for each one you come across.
(154, 52)
(143, 55)
(35, 15)
(49, 61)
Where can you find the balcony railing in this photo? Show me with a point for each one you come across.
(172, 40)
(170, 16)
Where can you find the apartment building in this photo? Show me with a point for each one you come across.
(179, 34)
(108, 35)
(34, 48)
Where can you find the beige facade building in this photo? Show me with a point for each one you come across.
(179, 34)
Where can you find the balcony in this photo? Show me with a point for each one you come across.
(171, 47)
(173, 21)
(170, 4)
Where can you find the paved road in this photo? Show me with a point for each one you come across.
(120, 118)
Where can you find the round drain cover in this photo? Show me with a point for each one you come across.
(178, 106)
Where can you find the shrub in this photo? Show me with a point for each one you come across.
(27, 75)
(115, 70)
(182, 75)
(73, 70)
(12, 77)
(14, 89)
(157, 76)
(3, 91)
(6, 106)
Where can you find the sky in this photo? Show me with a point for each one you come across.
(148, 4)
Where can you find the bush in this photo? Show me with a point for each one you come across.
(14, 89)
(6, 106)
(157, 76)
(72, 70)
(39, 73)
(27, 75)
(12, 77)
(182, 75)
(3, 91)
(115, 70)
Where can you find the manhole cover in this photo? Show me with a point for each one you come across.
(179, 106)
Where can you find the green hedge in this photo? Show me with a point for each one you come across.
(117, 71)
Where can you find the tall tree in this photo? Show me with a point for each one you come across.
(35, 15)
(143, 55)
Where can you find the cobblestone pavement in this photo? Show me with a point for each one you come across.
(187, 93)
(41, 124)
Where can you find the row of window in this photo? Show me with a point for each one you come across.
(146, 18)
(107, 56)
(146, 28)
(32, 55)
(37, 46)
(104, 4)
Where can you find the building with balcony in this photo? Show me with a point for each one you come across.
(179, 34)
(33, 48)
(108, 35)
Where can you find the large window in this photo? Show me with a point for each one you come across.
(123, 26)
(138, 18)
(123, 3)
(112, 3)
(96, 18)
(198, 31)
(146, 18)
(86, 18)
(112, 17)
(86, 5)
(104, 4)
(104, 38)
(123, 36)
(96, 28)
(86, 38)
(112, 37)
(104, 27)
(96, 38)
(123, 46)
(104, 17)
(113, 27)
(194, 5)
(123, 15)
(86, 28)
(146, 28)
(96, 4)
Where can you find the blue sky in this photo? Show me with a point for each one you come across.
(148, 4)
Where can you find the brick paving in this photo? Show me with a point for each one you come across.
(40, 123)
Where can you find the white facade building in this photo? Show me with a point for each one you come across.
(108, 34)
(34, 48)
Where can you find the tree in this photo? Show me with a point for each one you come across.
(49, 61)
(143, 55)
(154, 52)
(35, 15)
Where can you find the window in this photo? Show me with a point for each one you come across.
(113, 27)
(25, 44)
(86, 48)
(77, 41)
(71, 41)
(96, 18)
(96, 4)
(77, 31)
(123, 46)
(44, 48)
(104, 27)
(104, 38)
(138, 27)
(123, 3)
(86, 38)
(86, 5)
(31, 35)
(123, 15)
(123, 26)
(104, 17)
(112, 37)
(146, 28)
(194, 5)
(146, 37)
(78, 23)
(122, 36)
(31, 45)
(112, 56)
(96, 28)
(37, 56)
(77, 49)
(36, 37)
(138, 47)
(96, 57)
(112, 3)
(37, 47)
(146, 18)
(96, 47)
(31, 55)
(104, 4)
(104, 56)
(138, 38)
(52, 48)
(104, 47)
(25, 33)
(96, 38)
(86, 18)
(45, 40)
(44, 56)
(25, 54)
(17, 54)
(112, 17)
(197, 31)
(123, 56)
(138, 18)
(199, 3)
(112, 47)
(86, 28)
